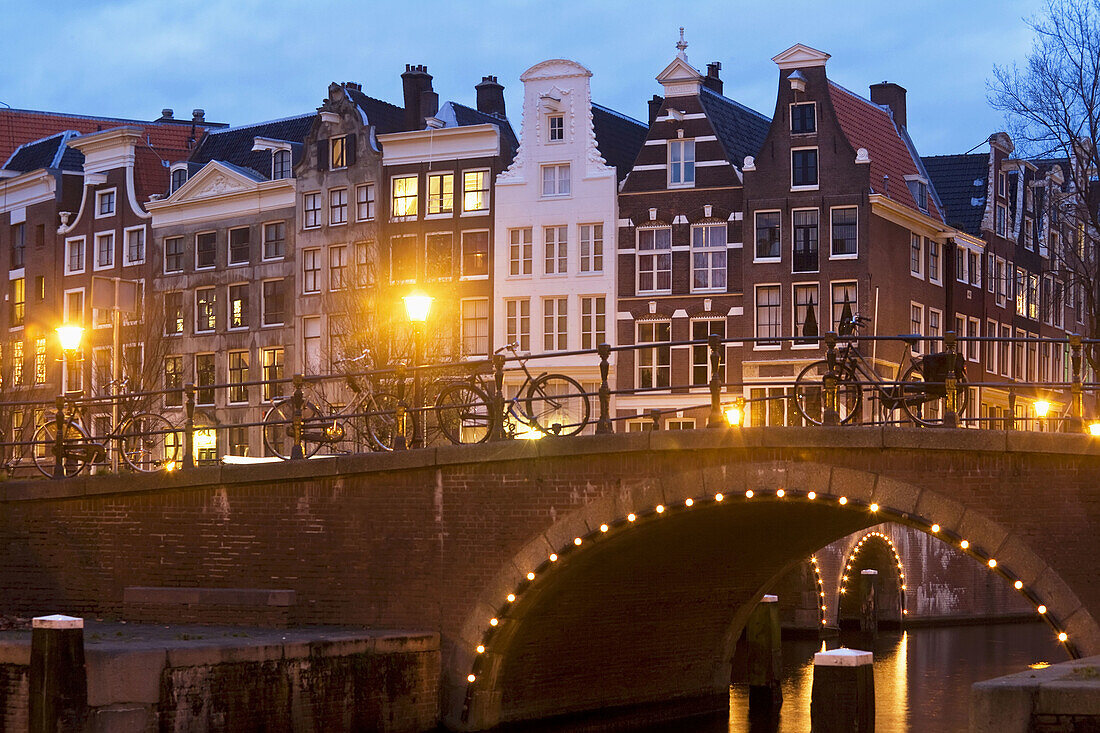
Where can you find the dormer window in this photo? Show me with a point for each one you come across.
(338, 153)
(918, 188)
(681, 163)
(803, 118)
(280, 165)
(555, 124)
(179, 177)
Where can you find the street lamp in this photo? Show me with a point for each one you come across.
(417, 308)
(70, 336)
(1042, 407)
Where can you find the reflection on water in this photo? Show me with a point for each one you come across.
(922, 678)
(920, 675)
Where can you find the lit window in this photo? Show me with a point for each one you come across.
(173, 254)
(173, 313)
(18, 301)
(803, 118)
(557, 250)
(404, 196)
(475, 191)
(40, 360)
(845, 232)
(104, 250)
(654, 363)
(205, 310)
(593, 321)
(338, 206)
(240, 246)
(337, 267)
(272, 362)
(17, 362)
(311, 271)
(700, 352)
(556, 125)
(238, 306)
(768, 230)
(135, 246)
(555, 324)
(280, 165)
(206, 250)
(475, 327)
(273, 304)
(804, 167)
(591, 248)
(518, 323)
(311, 207)
(655, 260)
(555, 180)
(274, 240)
(338, 153)
(769, 315)
(238, 375)
(519, 251)
(708, 257)
(441, 193)
(805, 228)
(475, 254)
(806, 328)
(105, 203)
(364, 202)
(681, 163)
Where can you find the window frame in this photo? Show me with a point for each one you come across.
(560, 249)
(790, 116)
(83, 242)
(230, 262)
(660, 353)
(214, 255)
(369, 200)
(97, 266)
(682, 165)
(800, 341)
(309, 212)
(102, 194)
(710, 249)
(484, 274)
(342, 142)
(555, 312)
(557, 193)
(278, 172)
(550, 128)
(484, 193)
(756, 236)
(411, 209)
(655, 253)
(126, 233)
(832, 228)
(443, 210)
(264, 256)
(778, 309)
(244, 309)
(166, 255)
(338, 208)
(463, 320)
(589, 334)
(263, 303)
(237, 393)
(517, 324)
(917, 255)
(587, 261)
(213, 310)
(817, 169)
(314, 254)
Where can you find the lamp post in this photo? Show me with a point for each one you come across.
(1042, 407)
(417, 308)
(69, 336)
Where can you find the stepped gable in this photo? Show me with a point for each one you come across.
(234, 145)
(740, 130)
(961, 182)
(618, 138)
(871, 126)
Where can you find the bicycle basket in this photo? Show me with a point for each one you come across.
(937, 367)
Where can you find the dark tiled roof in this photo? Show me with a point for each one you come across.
(50, 152)
(740, 130)
(469, 116)
(871, 126)
(618, 138)
(384, 116)
(961, 182)
(235, 144)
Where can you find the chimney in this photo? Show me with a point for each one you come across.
(416, 82)
(354, 85)
(490, 96)
(893, 96)
(198, 116)
(655, 108)
(166, 114)
(712, 81)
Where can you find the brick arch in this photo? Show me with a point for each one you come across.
(872, 551)
(504, 625)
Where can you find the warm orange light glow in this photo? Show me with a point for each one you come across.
(630, 517)
(604, 527)
(576, 540)
(1018, 584)
(480, 648)
(471, 678)
(992, 563)
(660, 508)
(1041, 609)
(874, 507)
(718, 497)
(812, 495)
(1094, 428)
(734, 416)
(418, 306)
(70, 336)
(781, 493)
(964, 544)
(530, 576)
(1063, 636)
(935, 528)
(553, 557)
(511, 597)
(843, 500)
(1042, 407)
(689, 502)
(748, 494)
(493, 622)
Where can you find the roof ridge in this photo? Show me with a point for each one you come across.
(626, 117)
(61, 147)
(90, 117)
(737, 104)
(861, 98)
(32, 142)
(220, 130)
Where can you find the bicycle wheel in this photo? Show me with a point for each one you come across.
(463, 414)
(925, 404)
(381, 424)
(809, 393)
(279, 428)
(557, 405)
(74, 456)
(150, 443)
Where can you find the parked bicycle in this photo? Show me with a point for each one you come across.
(917, 391)
(146, 442)
(551, 404)
(368, 421)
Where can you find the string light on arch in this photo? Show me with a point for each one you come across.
(844, 579)
(820, 589)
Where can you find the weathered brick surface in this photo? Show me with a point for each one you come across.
(423, 540)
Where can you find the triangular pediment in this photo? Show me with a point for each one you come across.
(213, 179)
(800, 56)
(679, 71)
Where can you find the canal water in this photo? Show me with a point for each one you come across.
(922, 679)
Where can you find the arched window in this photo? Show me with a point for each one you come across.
(280, 164)
(179, 177)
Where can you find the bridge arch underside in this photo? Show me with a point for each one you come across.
(649, 614)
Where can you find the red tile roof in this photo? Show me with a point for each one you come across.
(168, 140)
(867, 125)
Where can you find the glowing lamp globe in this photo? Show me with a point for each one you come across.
(418, 306)
(1094, 428)
(1042, 407)
(70, 336)
(734, 416)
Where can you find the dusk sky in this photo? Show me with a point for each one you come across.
(246, 61)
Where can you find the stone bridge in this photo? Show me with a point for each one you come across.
(563, 575)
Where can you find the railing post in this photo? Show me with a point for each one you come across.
(189, 425)
(604, 424)
(59, 438)
(655, 418)
(400, 440)
(951, 397)
(1077, 392)
(296, 402)
(830, 415)
(716, 419)
(498, 398)
(1010, 421)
